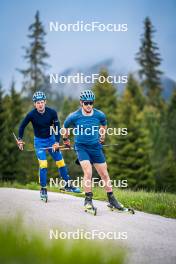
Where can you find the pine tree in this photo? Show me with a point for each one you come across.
(5, 165)
(106, 101)
(168, 173)
(11, 156)
(136, 92)
(131, 160)
(16, 108)
(106, 98)
(164, 145)
(149, 60)
(2, 130)
(34, 75)
(171, 122)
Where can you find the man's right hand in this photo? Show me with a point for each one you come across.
(67, 143)
(20, 144)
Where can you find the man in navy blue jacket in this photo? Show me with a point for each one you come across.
(42, 118)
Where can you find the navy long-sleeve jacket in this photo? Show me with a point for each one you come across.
(41, 123)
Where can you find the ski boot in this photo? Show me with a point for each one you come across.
(43, 194)
(115, 205)
(88, 205)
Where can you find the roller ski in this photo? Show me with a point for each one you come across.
(88, 205)
(115, 205)
(44, 195)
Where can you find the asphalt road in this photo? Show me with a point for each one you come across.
(149, 238)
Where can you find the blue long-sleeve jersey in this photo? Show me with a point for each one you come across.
(87, 125)
(41, 123)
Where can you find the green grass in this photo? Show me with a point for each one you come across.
(160, 203)
(19, 246)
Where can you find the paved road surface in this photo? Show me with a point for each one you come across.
(150, 238)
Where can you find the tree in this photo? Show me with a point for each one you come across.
(106, 98)
(166, 150)
(34, 75)
(149, 60)
(16, 108)
(10, 153)
(2, 129)
(131, 160)
(171, 123)
(136, 92)
(168, 173)
(154, 122)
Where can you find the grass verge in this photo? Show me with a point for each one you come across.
(20, 246)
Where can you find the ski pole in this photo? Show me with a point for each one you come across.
(62, 148)
(110, 145)
(15, 137)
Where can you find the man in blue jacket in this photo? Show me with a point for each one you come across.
(42, 118)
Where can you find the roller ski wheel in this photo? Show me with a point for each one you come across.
(44, 199)
(91, 210)
(123, 209)
(62, 190)
(43, 195)
(88, 205)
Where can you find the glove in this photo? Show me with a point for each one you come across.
(20, 144)
(67, 143)
(55, 147)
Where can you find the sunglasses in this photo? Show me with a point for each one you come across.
(88, 103)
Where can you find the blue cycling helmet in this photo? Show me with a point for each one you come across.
(38, 96)
(87, 95)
